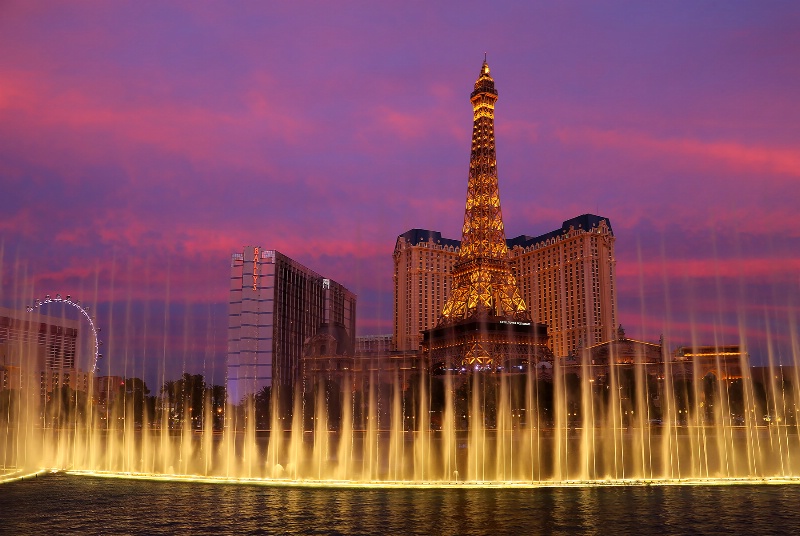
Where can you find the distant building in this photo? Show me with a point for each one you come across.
(351, 379)
(42, 345)
(616, 354)
(723, 362)
(276, 306)
(45, 342)
(77, 380)
(10, 377)
(328, 355)
(685, 363)
(108, 389)
(374, 344)
(566, 277)
(325, 357)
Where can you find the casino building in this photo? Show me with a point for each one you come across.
(276, 306)
(567, 277)
(43, 345)
(563, 279)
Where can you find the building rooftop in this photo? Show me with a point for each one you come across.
(418, 236)
(584, 221)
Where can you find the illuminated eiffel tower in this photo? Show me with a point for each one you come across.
(482, 279)
(485, 323)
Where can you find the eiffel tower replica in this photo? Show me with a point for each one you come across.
(485, 324)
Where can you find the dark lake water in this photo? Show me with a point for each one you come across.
(60, 503)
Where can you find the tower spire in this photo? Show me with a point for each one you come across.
(482, 280)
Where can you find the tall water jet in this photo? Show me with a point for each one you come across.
(588, 467)
(370, 442)
(344, 452)
(449, 460)
(421, 429)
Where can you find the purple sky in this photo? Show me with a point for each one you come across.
(141, 143)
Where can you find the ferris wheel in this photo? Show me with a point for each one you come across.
(84, 311)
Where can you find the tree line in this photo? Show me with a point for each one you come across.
(189, 398)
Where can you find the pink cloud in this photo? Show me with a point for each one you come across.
(375, 325)
(771, 160)
(518, 130)
(34, 103)
(711, 268)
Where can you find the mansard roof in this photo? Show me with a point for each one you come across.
(418, 236)
(584, 221)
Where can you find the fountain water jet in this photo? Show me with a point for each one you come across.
(475, 427)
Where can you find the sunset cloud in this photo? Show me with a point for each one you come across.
(773, 161)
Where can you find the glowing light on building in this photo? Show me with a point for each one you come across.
(482, 279)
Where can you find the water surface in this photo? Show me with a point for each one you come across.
(59, 503)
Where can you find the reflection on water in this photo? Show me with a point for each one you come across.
(60, 503)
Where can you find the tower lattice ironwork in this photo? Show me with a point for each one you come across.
(485, 325)
(483, 284)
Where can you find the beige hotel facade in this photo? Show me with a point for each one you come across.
(566, 278)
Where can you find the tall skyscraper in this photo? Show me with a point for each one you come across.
(564, 278)
(276, 305)
(485, 323)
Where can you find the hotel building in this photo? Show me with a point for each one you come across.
(276, 306)
(43, 345)
(566, 277)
